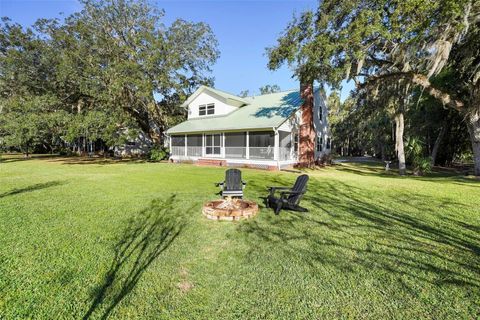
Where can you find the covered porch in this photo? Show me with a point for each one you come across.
(239, 146)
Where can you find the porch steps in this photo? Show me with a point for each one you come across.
(211, 162)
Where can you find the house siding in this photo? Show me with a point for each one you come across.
(221, 107)
(321, 125)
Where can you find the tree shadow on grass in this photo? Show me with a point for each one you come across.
(401, 235)
(144, 239)
(33, 187)
(9, 158)
(96, 160)
(374, 170)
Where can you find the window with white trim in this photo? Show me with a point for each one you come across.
(206, 109)
(211, 108)
(319, 144)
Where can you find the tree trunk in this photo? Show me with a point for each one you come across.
(399, 147)
(437, 144)
(348, 146)
(26, 153)
(307, 132)
(473, 124)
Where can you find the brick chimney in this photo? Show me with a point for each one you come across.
(307, 132)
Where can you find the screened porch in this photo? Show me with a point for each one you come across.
(253, 145)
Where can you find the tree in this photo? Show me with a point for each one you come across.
(113, 59)
(122, 54)
(388, 42)
(266, 89)
(23, 122)
(244, 93)
(92, 126)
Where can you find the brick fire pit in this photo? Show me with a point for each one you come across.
(230, 209)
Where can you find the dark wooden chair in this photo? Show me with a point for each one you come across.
(233, 185)
(289, 198)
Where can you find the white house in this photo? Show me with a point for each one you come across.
(269, 131)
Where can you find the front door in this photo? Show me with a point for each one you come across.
(213, 145)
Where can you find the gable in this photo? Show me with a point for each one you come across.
(208, 98)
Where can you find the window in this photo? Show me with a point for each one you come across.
(205, 109)
(261, 139)
(319, 144)
(194, 140)
(178, 141)
(194, 145)
(235, 145)
(236, 139)
(211, 108)
(285, 139)
(295, 142)
(328, 143)
(213, 144)
(261, 144)
(320, 113)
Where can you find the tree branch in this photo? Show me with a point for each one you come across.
(422, 81)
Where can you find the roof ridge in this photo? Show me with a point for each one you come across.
(266, 94)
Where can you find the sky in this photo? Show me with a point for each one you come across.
(243, 29)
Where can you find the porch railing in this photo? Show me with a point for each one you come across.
(236, 152)
(285, 154)
(266, 153)
(256, 153)
(177, 151)
(194, 151)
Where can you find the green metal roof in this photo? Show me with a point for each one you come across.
(261, 112)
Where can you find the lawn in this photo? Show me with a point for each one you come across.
(93, 239)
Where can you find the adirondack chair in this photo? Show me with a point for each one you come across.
(289, 197)
(233, 185)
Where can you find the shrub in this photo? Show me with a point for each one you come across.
(65, 152)
(324, 160)
(414, 149)
(422, 165)
(158, 153)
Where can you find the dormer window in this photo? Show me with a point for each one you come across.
(206, 109)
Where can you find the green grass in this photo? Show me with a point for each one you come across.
(81, 239)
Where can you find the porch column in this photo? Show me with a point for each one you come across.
(247, 151)
(203, 144)
(222, 150)
(293, 152)
(185, 146)
(276, 146)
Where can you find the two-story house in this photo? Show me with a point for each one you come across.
(269, 131)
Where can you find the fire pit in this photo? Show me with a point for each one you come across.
(230, 209)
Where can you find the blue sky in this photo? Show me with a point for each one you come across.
(243, 29)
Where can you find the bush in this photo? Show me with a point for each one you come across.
(415, 150)
(324, 160)
(422, 165)
(158, 154)
(464, 157)
(65, 152)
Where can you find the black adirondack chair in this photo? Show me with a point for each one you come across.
(289, 197)
(233, 185)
